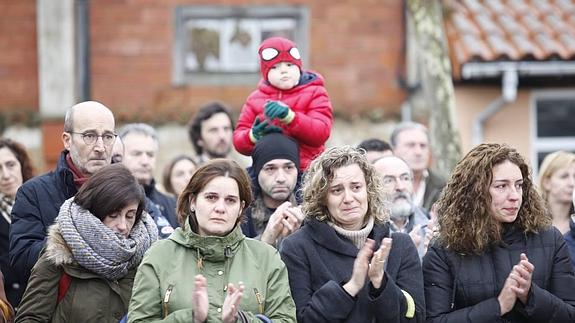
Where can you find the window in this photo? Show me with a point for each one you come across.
(553, 115)
(217, 45)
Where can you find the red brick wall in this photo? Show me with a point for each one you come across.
(356, 45)
(18, 59)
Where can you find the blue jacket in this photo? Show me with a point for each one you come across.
(37, 204)
(319, 262)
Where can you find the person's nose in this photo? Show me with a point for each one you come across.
(220, 206)
(514, 194)
(4, 173)
(400, 185)
(347, 196)
(99, 144)
(122, 225)
(281, 176)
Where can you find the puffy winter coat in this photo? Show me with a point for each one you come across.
(320, 261)
(311, 126)
(89, 298)
(165, 280)
(464, 288)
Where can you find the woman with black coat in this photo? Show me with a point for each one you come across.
(344, 265)
(496, 257)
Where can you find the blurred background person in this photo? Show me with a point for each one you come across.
(375, 149)
(177, 174)
(342, 264)
(98, 241)
(570, 235)
(497, 257)
(211, 131)
(207, 271)
(556, 184)
(15, 168)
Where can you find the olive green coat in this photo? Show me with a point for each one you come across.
(90, 297)
(165, 280)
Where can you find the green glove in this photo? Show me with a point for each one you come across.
(276, 109)
(262, 128)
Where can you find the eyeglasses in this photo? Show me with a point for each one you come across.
(90, 138)
(394, 180)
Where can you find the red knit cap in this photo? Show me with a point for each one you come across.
(275, 50)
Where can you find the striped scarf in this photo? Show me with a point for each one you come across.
(97, 247)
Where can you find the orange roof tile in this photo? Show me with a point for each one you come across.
(509, 30)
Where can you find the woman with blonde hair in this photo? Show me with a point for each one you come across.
(342, 264)
(556, 184)
(496, 257)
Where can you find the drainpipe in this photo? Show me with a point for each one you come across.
(83, 49)
(509, 94)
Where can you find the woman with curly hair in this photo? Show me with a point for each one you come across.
(496, 257)
(342, 264)
(556, 183)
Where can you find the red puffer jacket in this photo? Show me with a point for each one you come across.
(311, 126)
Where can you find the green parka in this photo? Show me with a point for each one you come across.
(90, 297)
(165, 279)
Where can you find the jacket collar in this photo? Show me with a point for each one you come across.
(326, 236)
(210, 248)
(65, 174)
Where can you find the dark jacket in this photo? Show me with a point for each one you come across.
(320, 262)
(433, 186)
(37, 204)
(11, 284)
(89, 298)
(166, 204)
(460, 288)
(570, 240)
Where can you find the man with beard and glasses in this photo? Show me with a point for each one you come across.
(406, 216)
(211, 131)
(275, 212)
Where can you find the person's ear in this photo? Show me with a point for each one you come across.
(546, 183)
(67, 140)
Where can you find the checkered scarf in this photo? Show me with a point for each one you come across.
(98, 248)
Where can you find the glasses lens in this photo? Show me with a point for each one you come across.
(269, 54)
(89, 138)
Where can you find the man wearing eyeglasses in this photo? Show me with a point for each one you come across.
(88, 138)
(406, 216)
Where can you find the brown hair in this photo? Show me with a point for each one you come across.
(322, 171)
(109, 190)
(167, 173)
(203, 175)
(465, 221)
(21, 155)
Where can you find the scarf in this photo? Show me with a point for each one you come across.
(79, 177)
(6, 204)
(358, 237)
(98, 248)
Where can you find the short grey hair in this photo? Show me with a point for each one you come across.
(406, 125)
(139, 128)
(69, 120)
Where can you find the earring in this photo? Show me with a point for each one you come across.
(192, 210)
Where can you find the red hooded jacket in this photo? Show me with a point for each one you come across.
(311, 126)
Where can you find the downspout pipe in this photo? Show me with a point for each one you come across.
(508, 95)
(83, 49)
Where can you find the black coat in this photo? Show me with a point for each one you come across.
(570, 240)
(165, 204)
(461, 288)
(319, 262)
(37, 204)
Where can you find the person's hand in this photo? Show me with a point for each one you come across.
(415, 236)
(277, 110)
(292, 219)
(522, 274)
(377, 264)
(200, 299)
(275, 224)
(262, 128)
(232, 303)
(360, 268)
(507, 296)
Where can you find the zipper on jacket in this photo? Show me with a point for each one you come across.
(259, 300)
(167, 300)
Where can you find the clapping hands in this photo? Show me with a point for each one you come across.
(517, 285)
(370, 264)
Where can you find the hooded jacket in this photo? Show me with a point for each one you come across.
(90, 297)
(164, 284)
(313, 120)
(464, 288)
(320, 262)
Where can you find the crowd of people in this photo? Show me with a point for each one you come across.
(366, 233)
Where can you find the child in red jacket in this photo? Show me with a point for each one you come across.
(288, 100)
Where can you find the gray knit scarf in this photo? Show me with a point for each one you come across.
(97, 247)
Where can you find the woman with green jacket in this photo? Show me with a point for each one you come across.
(207, 270)
(86, 270)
